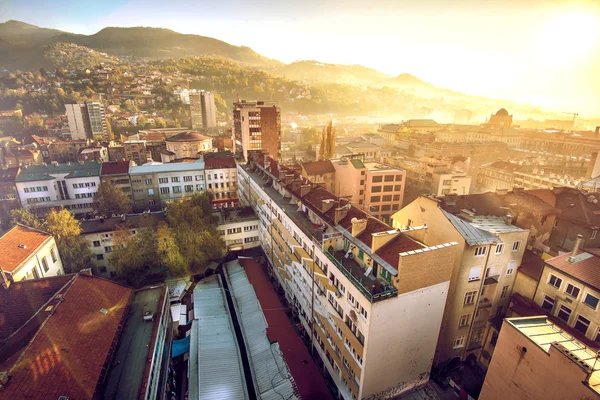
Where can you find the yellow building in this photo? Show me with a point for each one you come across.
(489, 251)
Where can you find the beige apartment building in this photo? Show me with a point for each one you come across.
(489, 251)
(376, 188)
(370, 297)
(536, 359)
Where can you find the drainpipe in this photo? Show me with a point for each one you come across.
(487, 259)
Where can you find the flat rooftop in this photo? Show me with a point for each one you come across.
(126, 376)
(230, 215)
(495, 225)
(380, 167)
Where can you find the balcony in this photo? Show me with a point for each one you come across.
(491, 280)
(485, 303)
(372, 288)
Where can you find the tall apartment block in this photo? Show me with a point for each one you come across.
(256, 126)
(202, 109)
(86, 120)
(370, 297)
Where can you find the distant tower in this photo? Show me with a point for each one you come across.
(202, 110)
(327, 149)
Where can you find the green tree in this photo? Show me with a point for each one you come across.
(109, 199)
(6, 208)
(168, 251)
(74, 251)
(25, 217)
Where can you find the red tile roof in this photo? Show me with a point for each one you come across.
(69, 354)
(390, 251)
(114, 168)
(318, 167)
(585, 270)
(12, 254)
(578, 207)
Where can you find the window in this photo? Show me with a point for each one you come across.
(45, 264)
(504, 292)
(189, 188)
(398, 178)
(590, 300)
(148, 181)
(555, 281)
(375, 189)
(174, 179)
(386, 207)
(187, 178)
(582, 324)
(387, 197)
(375, 199)
(516, 246)
(108, 249)
(99, 257)
(376, 179)
(447, 182)
(151, 192)
(199, 187)
(199, 177)
(397, 188)
(388, 188)
(165, 190)
(53, 254)
(572, 291)
(459, 341)
(151, 202)
(499, 248)
(470, 297)
(594, 232)
(548, 303)
(511, 267)
(163, 180)
(474, 274)
(396, 197)
(464, 320)
(96, 243)
(480, 251)
(564, 313)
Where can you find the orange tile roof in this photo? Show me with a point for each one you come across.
(586, 268)
(69, 354)
(12, 254)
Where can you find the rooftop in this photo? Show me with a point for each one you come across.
(126, 378)
(114, 168)
(188, 137)
(71, 350)
(8, 175)
(318, 167)
(585, 267)
(48, 172)
(156, 167)
(222, 159)
(18, 244)
(381, 167)
(472, 234)
(532, 265)
(110, 224)
(230, 215)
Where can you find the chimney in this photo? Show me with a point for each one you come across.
(326, 205)
(508, 219)
(576, 248)
(305, 189)
(340, 214)
(358, 225)
(86, 271)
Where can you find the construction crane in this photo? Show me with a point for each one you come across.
(575, 115)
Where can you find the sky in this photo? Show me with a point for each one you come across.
(541, 52)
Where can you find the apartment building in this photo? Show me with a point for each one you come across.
(484, 268)
(8, 190)
(28, 253)
(376, 188)
(497, 175)
(256, 126)
(540, 180)
(367, 294)
(70, 185)
(155, 184)
(321, 173)
(221, 178)
(63, 151)
(86, 120)
(537, 359)
(117, 174)
(202, 109)
(135, 150)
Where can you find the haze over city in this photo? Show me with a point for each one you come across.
(539, 52)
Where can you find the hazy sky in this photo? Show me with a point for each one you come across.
(545, 52)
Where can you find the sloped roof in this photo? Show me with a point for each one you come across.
(472, 235)
(491, 203)
(9, 174)
(18, 244)
(70, 353)
(502, 112)
(318, 167)
(421, 123)
(187, 137)
(585, 268)
(390, 127)
(532, 265)
(46, 172)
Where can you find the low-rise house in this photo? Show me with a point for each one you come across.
(320, 173)
(29, 253)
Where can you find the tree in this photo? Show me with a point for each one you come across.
(168, 251)
(109, 199)
(6, 208)
(74, 251)
(25, 217)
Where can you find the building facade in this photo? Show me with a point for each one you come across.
(8, 190)
(28, 253)
(221, 179)
(202, 109)
(256, 126)
(485, 265)
(70, 185)
(186, 145)
(86, 120)
(117, 174)
(367, 294)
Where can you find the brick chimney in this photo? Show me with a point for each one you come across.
(326, 205)
(381, 238)
(358, 225)
(575, 248)
(305, 189)
(340, 214)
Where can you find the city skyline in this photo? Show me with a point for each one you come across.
(541, 53)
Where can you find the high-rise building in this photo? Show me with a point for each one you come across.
(202, 109)
(256, 126)
(86, 120)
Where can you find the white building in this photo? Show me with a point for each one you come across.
(70, 185)
(221, 178)
(238, 228)
(75, 117)
(29, 253)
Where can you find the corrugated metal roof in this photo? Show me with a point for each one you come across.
(271, 375)
(472, 235)
(215, 364)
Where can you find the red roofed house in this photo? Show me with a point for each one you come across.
(29, 253)
(73, 336)
(321, 172)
